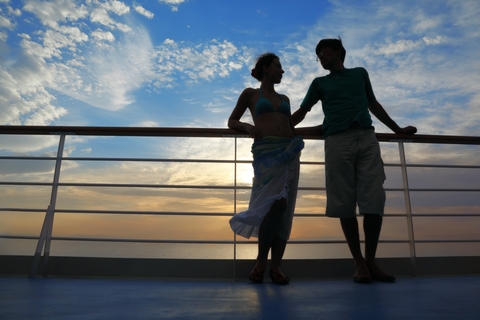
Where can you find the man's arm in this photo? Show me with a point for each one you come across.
(299, 115)
(382, 115)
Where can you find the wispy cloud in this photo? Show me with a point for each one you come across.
(202, 62)
(52, 12)
(144, 12)
(174, 4)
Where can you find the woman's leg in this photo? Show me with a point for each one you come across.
(268, 239)
(278, 249)
(266, 236)
(268, 231)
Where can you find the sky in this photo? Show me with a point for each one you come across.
(183, 63)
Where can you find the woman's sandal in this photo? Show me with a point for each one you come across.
(279, 278)
(255, 276)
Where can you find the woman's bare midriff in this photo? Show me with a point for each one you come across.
(274, 124)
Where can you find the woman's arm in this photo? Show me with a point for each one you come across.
(242, 105)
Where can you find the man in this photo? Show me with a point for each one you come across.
(353, 166)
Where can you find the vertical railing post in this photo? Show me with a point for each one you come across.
(408, 208)
(235, 209)
(46, 232)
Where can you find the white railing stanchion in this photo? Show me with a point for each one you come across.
(408, 208)
(46, 233)
(235, 208)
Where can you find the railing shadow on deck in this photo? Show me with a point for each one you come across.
(408, 264)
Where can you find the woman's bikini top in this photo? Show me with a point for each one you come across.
(264, 105)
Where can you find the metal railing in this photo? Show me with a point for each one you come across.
(45, 238)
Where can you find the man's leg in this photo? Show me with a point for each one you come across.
(370, 176)
(350, 230)
(372, 225)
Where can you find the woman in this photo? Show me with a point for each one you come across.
(276, 162)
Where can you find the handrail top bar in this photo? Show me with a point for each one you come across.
(210, 132)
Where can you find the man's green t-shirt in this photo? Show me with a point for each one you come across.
(345, 95)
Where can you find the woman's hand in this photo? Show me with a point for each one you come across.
(254, 132)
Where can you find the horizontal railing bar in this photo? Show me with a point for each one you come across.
(167, 213)
(221, 161)
(446, 190)
(453, 215)
(448, 241)
(432, 190)
(19, 183)
(319, 163)
(67, 184)
(116, 185)
(223, 214)
(447, 166)
(26, 158)
(23, 210)
(164, 213)
(156, 160)
(183, 241)
(211, 132)
(123, 240)
(226, 214)
(225, 241)
(125, 159)
(162, 186)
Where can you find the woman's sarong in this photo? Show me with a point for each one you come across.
(276, 166)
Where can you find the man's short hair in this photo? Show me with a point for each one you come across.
(335, 44)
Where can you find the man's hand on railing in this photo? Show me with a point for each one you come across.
(308, 130)
(407, 130)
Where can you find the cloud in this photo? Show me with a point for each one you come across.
(52, 12)
(146, 123)
(174, 4)
(111, 72)
(202, 62)
(409, 45)
(18, 145)
(433, 41)
(5, 23)
(100, 14)
(103, 67)
(23, 93)
(399, 46)
(144, 12)
(101, 35)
